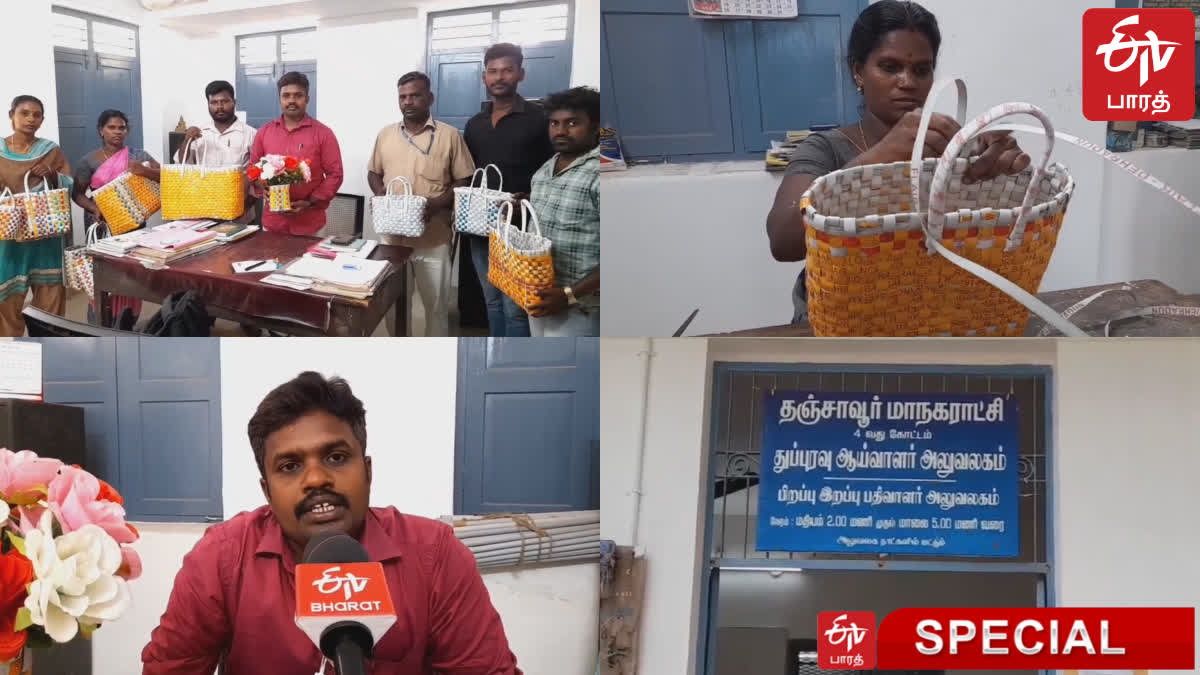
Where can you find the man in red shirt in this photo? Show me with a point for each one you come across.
(296, 134)
(234, 599)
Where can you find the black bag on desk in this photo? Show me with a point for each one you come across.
(182, 315)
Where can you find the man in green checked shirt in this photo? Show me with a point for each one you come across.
(566, 197)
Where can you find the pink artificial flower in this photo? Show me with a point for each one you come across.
(22, 473)
(306, 171)
(73, 499)
(131, 564)
(276, 161)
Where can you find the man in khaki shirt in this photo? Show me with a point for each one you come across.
(434, 158)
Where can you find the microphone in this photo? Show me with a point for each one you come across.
(342, 601)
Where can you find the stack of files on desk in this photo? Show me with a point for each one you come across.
(196, 225)
(231, 232)
(359, 248)
(116, 246)
(344, 275)
(1183, 134)
(165, 246)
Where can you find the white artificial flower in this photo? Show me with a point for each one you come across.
(74, 579)
(5, 512)
(268, 172)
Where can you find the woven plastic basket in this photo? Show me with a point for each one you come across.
(906, 249)
(402, 215)
(199, 191)
(47, 212)
(519, 261)
(77, 264)
(477, 208)
(127, 202)
(12, 216)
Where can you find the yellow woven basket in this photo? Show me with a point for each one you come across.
(906, 249)
(127, 202)
(199, 191)
(519, 261)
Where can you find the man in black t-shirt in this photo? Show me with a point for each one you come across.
(513, 134)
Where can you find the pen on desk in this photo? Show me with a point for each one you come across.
(257, 264)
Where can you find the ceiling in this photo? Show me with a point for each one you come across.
(212, 16)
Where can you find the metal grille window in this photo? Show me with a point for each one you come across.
(257, 50)
(737, 444)
(527, 24)
(113, 40)
(70, 32)
(457, 31)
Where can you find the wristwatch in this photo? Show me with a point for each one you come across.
(571, 299)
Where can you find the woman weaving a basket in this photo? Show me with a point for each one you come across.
(892, 53)
(97, 169)
(32, 264)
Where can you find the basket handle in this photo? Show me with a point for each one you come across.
(935, 221)
(44, 185)
(941, 176)
(404, 181)
(922, 130)
(93, 235)
(506, 214)
(482, 174)
(530, 217)
(201, 155)
(500, 185)
(387, 203)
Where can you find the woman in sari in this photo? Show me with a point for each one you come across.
(95, 170)
(30, 265)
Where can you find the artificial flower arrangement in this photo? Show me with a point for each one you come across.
(279, 172)
(66, 553)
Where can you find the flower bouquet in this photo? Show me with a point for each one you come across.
(65, 555)
(279, 172)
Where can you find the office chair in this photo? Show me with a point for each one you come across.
(44, 324)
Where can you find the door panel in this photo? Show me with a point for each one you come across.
(458, 87)
(82, 372)
(528, 425)
(170, 425)
(257, 94)
(75, 130)
(115, 85)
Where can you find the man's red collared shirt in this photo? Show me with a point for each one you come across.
(234, 601)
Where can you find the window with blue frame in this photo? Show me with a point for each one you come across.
(681, 88)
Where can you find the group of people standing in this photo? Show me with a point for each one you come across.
(548, 153)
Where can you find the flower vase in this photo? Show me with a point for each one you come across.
(23, 664)
(281, 197)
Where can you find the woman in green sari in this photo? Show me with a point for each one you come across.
(30, 265)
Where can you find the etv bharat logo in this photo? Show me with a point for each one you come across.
(1141, 64)
(348, 583)
(847, 640)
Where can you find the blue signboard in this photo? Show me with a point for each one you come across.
(928, 474)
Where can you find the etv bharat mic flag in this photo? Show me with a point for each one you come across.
(327, 592)
(1139, 65)
(1126, 638)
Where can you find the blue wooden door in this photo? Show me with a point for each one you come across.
(76, 133)
(82, 372)
(790, 75)
(457, 86)
(257, 94)
(547, 69)
(116, 85)
(170, 427)
(528, 425)
(309, 69)
(669, 73)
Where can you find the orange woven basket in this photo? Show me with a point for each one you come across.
(519, 261)
(907, 249)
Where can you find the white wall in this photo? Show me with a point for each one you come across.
(408, 388)
(1106, 443)
(688, 236)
